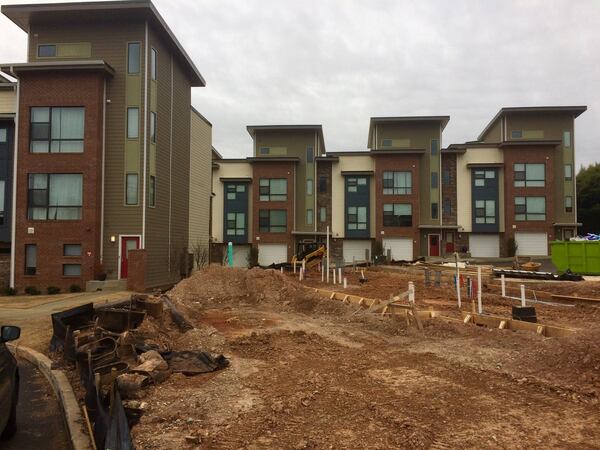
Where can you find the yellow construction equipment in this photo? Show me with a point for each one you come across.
(312, 254)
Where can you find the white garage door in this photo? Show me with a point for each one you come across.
(402, 248)
(532, 244)
(272, 254)
(355, 250)
(484, 245)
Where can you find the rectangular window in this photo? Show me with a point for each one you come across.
(434, 180)
(3, 135)
(530, 208)
(435, 147)
(309, 186)
(309, 217)
(530, 175)
(322, 184)
(133, 122)
(357, 218)
(397, 183)
(566, 139)
(323, 214)
(272, 220)
(153, 126)
(447, 207)
(445, 177)
(387, 143)
(310, 155)
(482, 175)
(153, 62)
(516, 134)
(485, 211)
(273, 189)
(131, 189)
(30, 259)
(233, 189)
(72, 250)
(2, 200)
(568, 204)
(264, 150)
(71, 270)
(54, 196)
(434, 210)
(47, 51)
(152, 191)
(133, 57)
(57, 130)
(397, 215)
(236, 224)
(568, 172)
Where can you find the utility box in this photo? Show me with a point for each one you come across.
(581, 257)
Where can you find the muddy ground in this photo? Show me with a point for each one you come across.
(308, 372)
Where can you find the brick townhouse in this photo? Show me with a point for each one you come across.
(406, 195)
(107, 146)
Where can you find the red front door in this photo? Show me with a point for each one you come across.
(127, 243)
(434, 245)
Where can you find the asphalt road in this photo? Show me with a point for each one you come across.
(40, 423)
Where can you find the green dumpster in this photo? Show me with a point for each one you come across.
(582, 257)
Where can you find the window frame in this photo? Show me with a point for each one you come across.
(49, 140)
(309, 187)
(310, 217)
(482, 212)
(3, 135)
(130, 109)
(435, 211)
(265, 188)
(310, 154)
(137, 188)
(139, 57)
(65, 255)
(31, 203)
(153, 64)
(522, 213)
(236, 223)
(65, 265)
(394, 176)
(520, 179)
(567, 141)
(40, 46)
(152, 191)
(265, 220)
(27, 268)
(435, 149)
(392, 216)
(569, 172)
(153, 126)
(322, 184)
(435, 183)
(323, 214)
(568, 203)
(357, 225)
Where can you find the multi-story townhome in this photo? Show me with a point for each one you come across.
(7, 137)
(517, 181)
(102, 145)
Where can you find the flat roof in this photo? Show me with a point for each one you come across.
(252, 129)
(442, 120)
(575, 110)
(24, 15)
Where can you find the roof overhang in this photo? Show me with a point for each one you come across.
(82, 65)
(347, 173)
(485, 164)
(252, 129)
(26, 15)
(529, 143)
(272, 159)
(568, 224)
(400, 151)
(574, 110)
(236, 180)
(439, 227)
(442, 120)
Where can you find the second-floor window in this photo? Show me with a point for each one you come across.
(233, 189)
(54, 196)
(397, 215)
(236, 224)
(397, 183)
(133, 122)
(530, 208)
(353, 183)
(357, 217)
(273, 189)
(485, 211)
(133, 58)
(529, 175)
(57, 129)
(272, 220)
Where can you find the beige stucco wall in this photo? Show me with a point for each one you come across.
(463, 183)
(200, 181)
(358, 163)
(228, 170)
(7, 102)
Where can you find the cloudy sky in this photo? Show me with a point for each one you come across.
(339, 62)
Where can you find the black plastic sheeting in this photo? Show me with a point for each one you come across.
(194, 362)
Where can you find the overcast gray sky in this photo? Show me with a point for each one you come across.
(339, 62)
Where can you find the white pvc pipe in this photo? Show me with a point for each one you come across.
(340, 275)
(411, 292)
(322, 274)
(345, 282)
(523, 295)
(294, 266)
(333, 275)
(479, 305)
(327, 254)
(503, 282)
(458, 286)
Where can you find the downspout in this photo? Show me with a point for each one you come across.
(143, 243)
(103, 172)
(13, 231)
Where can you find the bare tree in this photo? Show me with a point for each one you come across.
(200, 254)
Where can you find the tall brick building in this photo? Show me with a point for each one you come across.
(104, 146)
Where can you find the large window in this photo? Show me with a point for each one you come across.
(272, 220)
(233, 189)
(131, 189)
(153, 63)
(357, 217)
(397, 215)
(133, 57)
(485, 211)
(397, 183)
(30, 259)
(55, 196)
(353, 183)
(236, 224)
(273, 189)
(57, 130)
(133, 122)
(530, 208)
(482, 175)
(529, 175)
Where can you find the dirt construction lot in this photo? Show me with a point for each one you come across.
(309, 372)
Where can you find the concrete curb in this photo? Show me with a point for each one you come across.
(76, 426)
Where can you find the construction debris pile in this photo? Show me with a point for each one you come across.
(119, 350)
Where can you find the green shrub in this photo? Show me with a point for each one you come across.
(9, 291)
(75, 288)
(253, 257)
(53, 290)
(511, 247)
(32, 290)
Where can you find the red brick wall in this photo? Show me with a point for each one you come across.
(66, 88)
(323, 198)
(449, 189)
(273, 170)
(528, 154)
(137, 261)
(397, 163)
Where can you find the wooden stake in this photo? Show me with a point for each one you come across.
(479, 305)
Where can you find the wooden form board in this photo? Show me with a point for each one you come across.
(365, 302)
(511, 324)
(576, 300)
